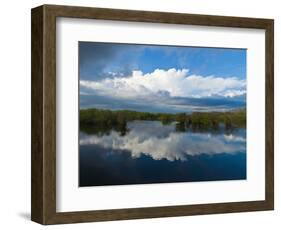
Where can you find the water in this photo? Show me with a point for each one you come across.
(150, 152)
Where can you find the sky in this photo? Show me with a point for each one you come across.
(156, 78)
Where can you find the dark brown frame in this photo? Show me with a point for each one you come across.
(43, 188)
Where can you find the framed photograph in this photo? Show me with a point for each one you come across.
(140, 114)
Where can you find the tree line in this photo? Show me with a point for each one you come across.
(105, 120)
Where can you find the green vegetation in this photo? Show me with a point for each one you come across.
(102, 121)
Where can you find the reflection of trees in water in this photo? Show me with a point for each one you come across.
(180, 127)
(122, 128)
(101, 129)
(201, 127)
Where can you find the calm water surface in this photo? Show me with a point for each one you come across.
(150, 152)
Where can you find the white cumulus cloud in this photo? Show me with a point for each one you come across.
(163, 83)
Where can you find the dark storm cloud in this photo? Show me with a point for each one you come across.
(171, 105)
(99, 60)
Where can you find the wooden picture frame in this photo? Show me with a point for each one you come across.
(43, 208)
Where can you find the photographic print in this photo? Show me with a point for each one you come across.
(161, 114)
(153, 104)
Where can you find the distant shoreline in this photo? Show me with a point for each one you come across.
(104, 120)
(221, 109)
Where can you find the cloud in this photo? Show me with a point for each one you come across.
(163, 84)
(98, 60)
(161, 142)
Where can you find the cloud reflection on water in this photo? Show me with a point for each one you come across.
(158, 141)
